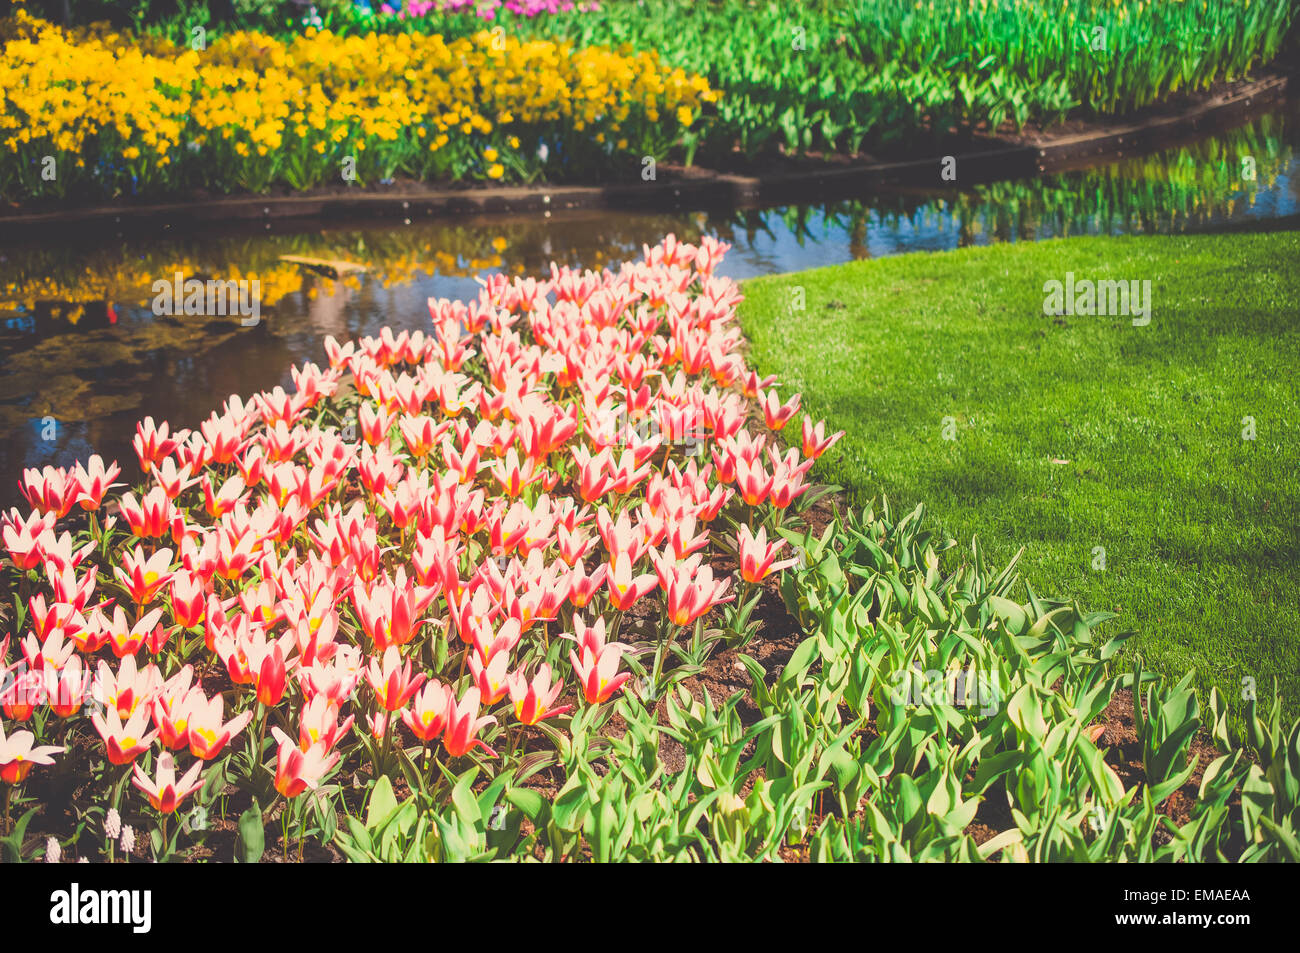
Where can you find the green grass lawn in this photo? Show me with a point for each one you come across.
(1078, 432)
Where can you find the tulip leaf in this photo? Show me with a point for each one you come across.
(250, 842)
(528, 801)
(382, 802)
(462, 796)
(570, 805)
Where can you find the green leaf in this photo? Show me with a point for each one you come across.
(382, 802)
(570, 805)
(250, 842)
(462, 798)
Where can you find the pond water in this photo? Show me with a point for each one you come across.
(84, 357)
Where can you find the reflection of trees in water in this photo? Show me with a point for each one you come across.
(1170, 191)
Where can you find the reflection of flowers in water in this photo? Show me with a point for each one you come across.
(97, 278)
(50, 273)
(1168, 191)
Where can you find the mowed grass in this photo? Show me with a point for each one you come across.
(1074, 433)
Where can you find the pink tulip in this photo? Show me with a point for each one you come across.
(19, 754)
(94, 480)
(463, 724)
(205, 733)
(392, 682)
(624, 589)
(533, 700)
(815, 441)
(689, 590)
(427, 716)
(757, 557)
(166, 794)
(598, 672)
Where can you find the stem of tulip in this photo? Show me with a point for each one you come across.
(436, 777)
(266, 815)
(117, 790)
(9, 793)
(386, 747)
(742, 597)
(261, 731)
(665, 637)
(22, 596)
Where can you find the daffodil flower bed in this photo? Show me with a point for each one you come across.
(85, 115)
(445, 553)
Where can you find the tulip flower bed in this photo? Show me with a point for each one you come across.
(313, 582)
(463, 593)
(112, 116)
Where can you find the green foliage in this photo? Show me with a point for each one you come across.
(878, 74)
(899, 74)
(250, 837)
(857, 752)
(1079, 432)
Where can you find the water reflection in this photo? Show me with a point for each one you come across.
(85, 357)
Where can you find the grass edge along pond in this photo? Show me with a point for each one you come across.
(1116, 454)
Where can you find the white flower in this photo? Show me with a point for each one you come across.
(52, 850)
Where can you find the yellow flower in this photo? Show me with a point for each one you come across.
(63, 90)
